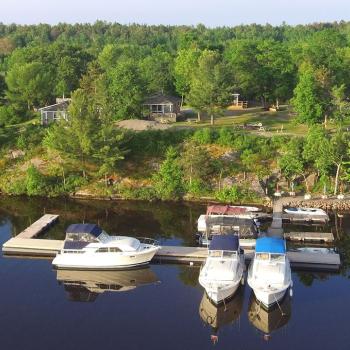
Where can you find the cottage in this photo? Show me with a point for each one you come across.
(162, 108)
(55, 112)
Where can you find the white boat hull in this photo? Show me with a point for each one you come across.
(268, 298)
(218, 293)
(104, 261)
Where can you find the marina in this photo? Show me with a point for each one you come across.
(168, 291)
(173, 254)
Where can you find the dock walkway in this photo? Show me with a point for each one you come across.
(24, 245)
(38, 226)
(173, 254)
(325, 237)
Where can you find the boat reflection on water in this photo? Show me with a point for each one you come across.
(217, 316)
(268, 321)
(86, 285)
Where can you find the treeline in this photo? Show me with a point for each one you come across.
(307, 65)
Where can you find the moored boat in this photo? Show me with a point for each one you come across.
(223, 269)
(87, 246)
(269, 273)
(305, 211)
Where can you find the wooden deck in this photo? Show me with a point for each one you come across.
(172, 254)
(38, 226)
(325, 237)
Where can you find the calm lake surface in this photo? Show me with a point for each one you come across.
(162, 307)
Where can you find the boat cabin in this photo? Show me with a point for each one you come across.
(244, 227)
(270, 249)
(224, 246)
(83, 233)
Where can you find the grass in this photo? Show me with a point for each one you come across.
(272, 121)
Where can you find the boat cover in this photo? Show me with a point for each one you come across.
(270, 245)
(224, 242)
(92, 229)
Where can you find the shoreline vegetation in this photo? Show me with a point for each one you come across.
(263, 109)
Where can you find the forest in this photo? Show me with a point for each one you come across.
(109, 69)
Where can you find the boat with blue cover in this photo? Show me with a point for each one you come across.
(269, 273)
(87, 246)
(223, 269)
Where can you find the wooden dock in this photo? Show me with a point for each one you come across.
(325, 237)
(38, 226)
(323, 219)
(24, 245)
(172, 254)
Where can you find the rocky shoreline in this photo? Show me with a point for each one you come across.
(325, 204)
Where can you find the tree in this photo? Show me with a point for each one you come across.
(291, 162)
(307, 101)
(76, 138)
(185, 63)
(29, 84)
(340, 107)
(108, 151)
(168, 180)
(210, 88)
(127, 90)
(35, 182)
(157, 71)
(196, 164)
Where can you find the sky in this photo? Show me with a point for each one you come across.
(190, 12)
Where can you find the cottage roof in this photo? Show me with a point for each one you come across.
(61, 106)
(159, 99)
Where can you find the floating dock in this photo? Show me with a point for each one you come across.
(325, 237)
(38, 226)
(21, 245)
(319, 219)
(173, 254)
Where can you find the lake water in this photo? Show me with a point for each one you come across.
(162, 307)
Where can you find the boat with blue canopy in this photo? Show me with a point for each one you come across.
(87, 246)
(223, 269)
(269, 273)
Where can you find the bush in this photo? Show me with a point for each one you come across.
(35, 182)
(140, 193)
(226, 137)
(235, 194)
(204, 136)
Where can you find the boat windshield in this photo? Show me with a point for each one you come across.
(277, 257)
(103, 237)
(262, 256)
(222, 254)
(273, 257)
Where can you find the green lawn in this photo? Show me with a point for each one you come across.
(272, 121)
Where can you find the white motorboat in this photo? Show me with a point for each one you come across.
(87, 246)
(224, 212)
(269, 273)
(306, 211)
(223, 269)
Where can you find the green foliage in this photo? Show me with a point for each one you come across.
(235, 194)
(168, 181)
(211, 84)
(203, 136)
(140, 193)
(226, 137)
(307, 100)
(196, 165)
(35, 182)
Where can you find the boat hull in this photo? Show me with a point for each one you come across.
(105, 261)
(269, 298)
(217, 294)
